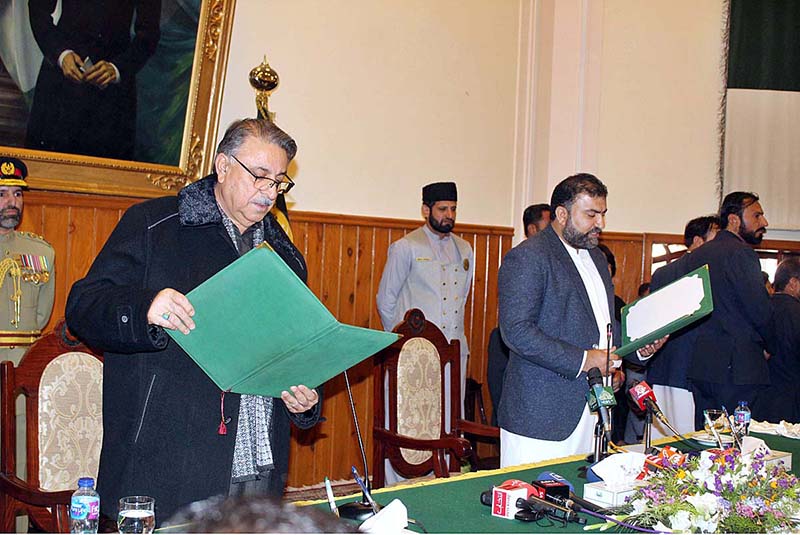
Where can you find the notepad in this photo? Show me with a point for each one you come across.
(260, 329)
(666, 310)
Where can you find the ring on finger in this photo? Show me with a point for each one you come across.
(165, 315)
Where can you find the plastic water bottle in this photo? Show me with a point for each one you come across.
(742, 418)
(84, 511)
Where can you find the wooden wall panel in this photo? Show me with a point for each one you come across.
(628, 249)
(351, 253)
(345, 256)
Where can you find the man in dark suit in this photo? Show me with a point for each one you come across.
(556, 299)
(90, 108)
(781, 400)
(728, 363)
(667, 371)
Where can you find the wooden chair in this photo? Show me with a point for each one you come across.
(412, 381)
(61, 381)
(474, 400)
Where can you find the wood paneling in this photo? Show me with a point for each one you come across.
(345, 256)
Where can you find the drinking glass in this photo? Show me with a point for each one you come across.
(136, 514)
(717, 418)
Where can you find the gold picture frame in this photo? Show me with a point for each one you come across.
(86, 174)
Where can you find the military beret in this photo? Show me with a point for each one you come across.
(439, 191)
(12, 172)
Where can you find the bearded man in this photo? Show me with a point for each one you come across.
(24, 314)
(728, 363)
(556, 300)
(430, 269)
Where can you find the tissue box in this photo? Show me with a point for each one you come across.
(600, 494)
(777, 456)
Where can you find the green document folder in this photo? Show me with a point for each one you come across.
(260, 330)
(666, 310)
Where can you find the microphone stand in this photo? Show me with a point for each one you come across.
(358, 510)
(648, 432)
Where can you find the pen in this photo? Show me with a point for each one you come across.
(331, 501)
(367, 495)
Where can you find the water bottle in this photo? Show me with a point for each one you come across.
(742, 418)
(84, 511)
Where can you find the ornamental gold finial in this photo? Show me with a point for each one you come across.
(264, 80)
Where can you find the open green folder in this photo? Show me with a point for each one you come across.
(666, 310)
(260, 330)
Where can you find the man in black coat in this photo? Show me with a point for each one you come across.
(667, 371)
(168, 430)
(728, 363)
(781, 400)
(83, 108)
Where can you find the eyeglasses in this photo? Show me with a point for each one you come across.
(281, 186)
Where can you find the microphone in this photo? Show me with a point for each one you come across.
(645, 399)
(366, 507)
(571, 500)
(556, 511)
(604, 397)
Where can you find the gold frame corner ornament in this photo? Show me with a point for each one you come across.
(87, 174)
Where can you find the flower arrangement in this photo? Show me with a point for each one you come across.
(715, 492)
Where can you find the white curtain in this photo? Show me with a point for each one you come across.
(762, 152)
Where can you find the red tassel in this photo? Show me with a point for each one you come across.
(222, 429)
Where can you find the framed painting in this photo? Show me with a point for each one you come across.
(170, 124)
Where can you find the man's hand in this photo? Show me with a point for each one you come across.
(71, 67)
(172, 310)
(101, 74)
(596, 358)
(649, 349)
(301, 399)
(617, 379)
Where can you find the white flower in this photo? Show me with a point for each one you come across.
(705, 504)
(705, 460)
(661, 527)
(705, 526)
(681, 521)
(639, 506)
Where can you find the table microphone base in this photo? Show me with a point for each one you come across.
(358, 511)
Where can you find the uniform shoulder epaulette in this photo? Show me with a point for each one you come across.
(34, 236)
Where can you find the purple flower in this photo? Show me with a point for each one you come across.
(744, 510)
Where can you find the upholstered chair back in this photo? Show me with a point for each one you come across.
(70, 420)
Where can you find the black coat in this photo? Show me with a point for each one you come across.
(781, 400)
(160, 410)
(730, 342)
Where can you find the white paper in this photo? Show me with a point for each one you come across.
(675, 301)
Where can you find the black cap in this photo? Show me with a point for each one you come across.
(439, 191)
(12, 172)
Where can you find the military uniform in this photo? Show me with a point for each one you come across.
(27, 291)
(27, 287)
(26, 273)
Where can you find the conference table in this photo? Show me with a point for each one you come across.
(452, 505)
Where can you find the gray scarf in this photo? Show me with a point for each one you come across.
(252, 453)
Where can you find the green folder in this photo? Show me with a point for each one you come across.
(259, 330)
(666, 310)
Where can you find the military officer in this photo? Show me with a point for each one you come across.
(26, 284)
(431, 269)
(26, 269)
